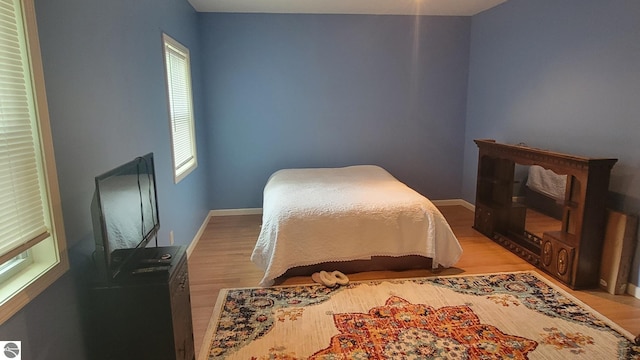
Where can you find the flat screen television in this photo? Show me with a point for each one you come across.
(124, 213)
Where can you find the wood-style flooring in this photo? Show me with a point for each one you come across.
(221, 260)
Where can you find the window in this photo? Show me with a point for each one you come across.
(32, 244)
(178, 71)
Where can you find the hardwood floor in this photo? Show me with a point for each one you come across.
(221, 260)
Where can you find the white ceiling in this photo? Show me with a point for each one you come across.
(377, 7)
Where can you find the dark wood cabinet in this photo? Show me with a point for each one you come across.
(144, 315)
(572, 253)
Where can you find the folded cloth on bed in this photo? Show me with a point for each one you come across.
(547, 182)
(313, 216)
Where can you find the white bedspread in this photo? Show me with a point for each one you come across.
(312, 216)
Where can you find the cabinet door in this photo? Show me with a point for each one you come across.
(484, 220)
(557, 258)
(131, 322)
(181, 316)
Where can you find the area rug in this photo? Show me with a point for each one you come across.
(493, 316)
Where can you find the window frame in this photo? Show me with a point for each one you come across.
(15, 265)
(180, 170)
(47, 259)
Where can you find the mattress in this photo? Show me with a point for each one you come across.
(323, 215)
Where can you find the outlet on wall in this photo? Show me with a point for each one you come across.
(171, 237)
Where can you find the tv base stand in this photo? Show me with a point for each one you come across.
(145, 315)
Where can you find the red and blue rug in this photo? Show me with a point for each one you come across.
(493, 316)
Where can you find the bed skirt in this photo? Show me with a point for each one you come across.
(376, 263)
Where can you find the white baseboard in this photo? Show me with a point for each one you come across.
(196, 238)
(230, 212)
(452, 202)
(258, 211)
(222, 212)
(633, 290)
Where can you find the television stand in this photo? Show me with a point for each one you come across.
(144, 315)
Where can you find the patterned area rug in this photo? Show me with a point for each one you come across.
(493, 316)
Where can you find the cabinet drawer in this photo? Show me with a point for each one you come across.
(557, 258)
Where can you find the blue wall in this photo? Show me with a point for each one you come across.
(104, 75)
(333, 90)
(562, 75)
(274, 91)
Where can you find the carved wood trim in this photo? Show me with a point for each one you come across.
(559, 162)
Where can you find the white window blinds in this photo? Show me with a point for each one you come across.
(180, 107)
(22, 193)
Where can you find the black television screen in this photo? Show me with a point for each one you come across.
(125, 213)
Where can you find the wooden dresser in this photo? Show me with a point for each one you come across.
(143, 316)
(572, 253)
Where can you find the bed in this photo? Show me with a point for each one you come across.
(330, 215)
(545, 191)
